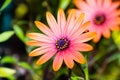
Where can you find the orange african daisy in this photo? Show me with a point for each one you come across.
(103, 15)
(63, 39)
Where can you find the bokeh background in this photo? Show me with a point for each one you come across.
(17, 19)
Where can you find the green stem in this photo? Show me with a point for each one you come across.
(69, 75)
(85, 69)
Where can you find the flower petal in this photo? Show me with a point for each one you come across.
(61, 20)
(52, 23)
(35, 43)
(107, 3)
(91, 3)
(45, 57)
(97, 37)
(78, 57)
(44, 28)
(114, 15)
(70, 21)
(82, 47)
(82, 5)
(68, 60)
(81, 29)
(58, 60)
(106, 33)
(84, 27)
(85, 37)
(118, 20)
(78, 22)
(40, 51)
(77, 3)
(99, 3)
(115, 28)
(114, 6)
(39, 37)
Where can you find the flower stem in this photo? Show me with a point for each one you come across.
(86, 70)
(69, 74)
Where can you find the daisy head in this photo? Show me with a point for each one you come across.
(63, 39)
(103, 15)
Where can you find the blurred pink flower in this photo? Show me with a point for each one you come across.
(63, 40)
(103, 15)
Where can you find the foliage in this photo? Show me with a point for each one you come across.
(19, 32)
(5, 4)
(6, 72)
(5, 35)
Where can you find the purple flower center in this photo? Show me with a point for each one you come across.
(99, 19)
(62, 44)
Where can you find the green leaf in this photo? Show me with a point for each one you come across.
(11, 78)
(6, 72)
(116, 38)
(5, 4)
(77, 78)
(25, 65)
(114, 57)
(6, 35)
(19, 32)
(64, 4)
(8, 59)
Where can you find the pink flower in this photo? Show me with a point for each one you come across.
(63, 40)
(103, 15)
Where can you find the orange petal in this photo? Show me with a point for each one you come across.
(97, 37)
(68, 60)
(61, 19)
(85, 37)
(115, 28)
(40, 51)
(78, 57)
(118, 20)
(45, 57)
(100, 2)
(81, 4)
(78, 23)
(114, 6)
(107, 3)
(77, 3)
(43, 28)
(39, 37)
(52, 23)
(91, 2)
(106, 33)
(83, 47)
(114, 14)
(84, 27)
(117, 13)
(81, 29)
(70, 20)
(58, 60)
(34, 43)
